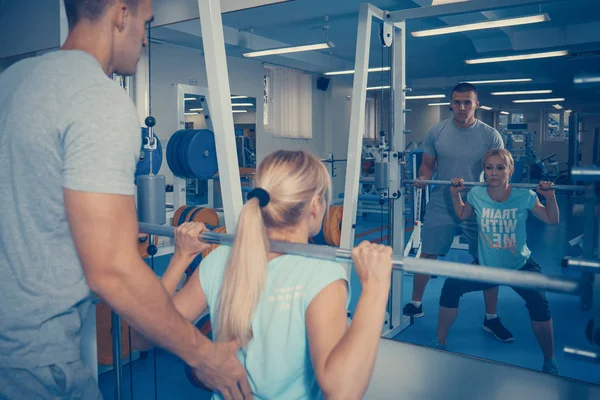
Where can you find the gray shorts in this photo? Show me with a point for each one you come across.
(440, 227)
(72, 381)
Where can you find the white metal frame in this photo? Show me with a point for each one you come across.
(355, 144)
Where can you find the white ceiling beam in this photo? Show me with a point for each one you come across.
(172, 11)
(460, 8)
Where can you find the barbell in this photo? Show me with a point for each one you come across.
(573, 188)
(497, 276)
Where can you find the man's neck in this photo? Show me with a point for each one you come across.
(92, 40)
(468, 123)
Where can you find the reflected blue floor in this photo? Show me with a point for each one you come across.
(548, 244)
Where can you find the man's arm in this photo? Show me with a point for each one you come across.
(427, 167)
(105, 229)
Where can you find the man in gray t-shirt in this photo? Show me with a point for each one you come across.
(454, 148)
(69, 145)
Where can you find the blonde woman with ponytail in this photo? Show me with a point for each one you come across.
(287, 313)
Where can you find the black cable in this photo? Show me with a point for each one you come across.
(130, 363)
(149, 75)
(154, 349)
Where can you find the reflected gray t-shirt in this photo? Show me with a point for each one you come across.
(458, 153)
(63, 124)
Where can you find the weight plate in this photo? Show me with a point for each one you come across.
(172, 152)
(201, 154)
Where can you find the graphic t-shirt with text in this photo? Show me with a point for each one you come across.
(502, 227)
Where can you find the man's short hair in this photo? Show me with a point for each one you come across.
(464, 87)
(91, 10)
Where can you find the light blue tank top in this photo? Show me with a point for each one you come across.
(277, 359)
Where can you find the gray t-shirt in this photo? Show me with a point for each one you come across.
(63, 124)
(458, 153)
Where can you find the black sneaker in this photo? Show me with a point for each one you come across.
(500, 332)
(411, 310)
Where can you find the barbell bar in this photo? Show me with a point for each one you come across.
(574, 188)
(497, 276)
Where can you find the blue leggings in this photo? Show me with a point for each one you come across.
(535, 301)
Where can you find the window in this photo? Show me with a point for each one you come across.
(506, 118)
(266, 113)
(556, 125)
(502, 122)
(288, 103)
(370, 119)
(517, 118)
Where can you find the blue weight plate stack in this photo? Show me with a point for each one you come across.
(191, 153)
(143, 165)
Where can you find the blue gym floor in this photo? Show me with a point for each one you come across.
(548, 243)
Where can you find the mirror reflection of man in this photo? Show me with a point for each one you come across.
(454, 148)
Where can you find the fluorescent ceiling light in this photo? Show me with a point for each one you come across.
(239, 111)
(427, 96)
(190, 98)
(242, 104)
(351, 71)
(500, 23)
(591, 79)
(499, 81)
(518, 57)
(378, 87)
(557, 106)
(568, 111)
(545, 91)
(485, 108)
(196, 109)
(291, 49)
(539, 100)
(191, 113)
(239, 97)
(504, 112)
(438, 104)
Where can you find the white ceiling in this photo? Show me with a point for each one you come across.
(433, 63)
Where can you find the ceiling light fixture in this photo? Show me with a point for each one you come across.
(426, 96)
(500, 23)
(239, 111)
(196, 109)
(438, 104)
(591, 79)
(490, 81)
(539, 100)
(557, 106)
(545, 91)
(351, 71)
(291, 49)
(518, 57)
(242, 104)
(485, 108)
(378, 87)
(238, 97)
(190, 98)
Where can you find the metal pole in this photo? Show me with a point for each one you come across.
(526, 280)
(211, 24)
(396, 201)
(516, 185)
(357, 124)
(116, 354)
